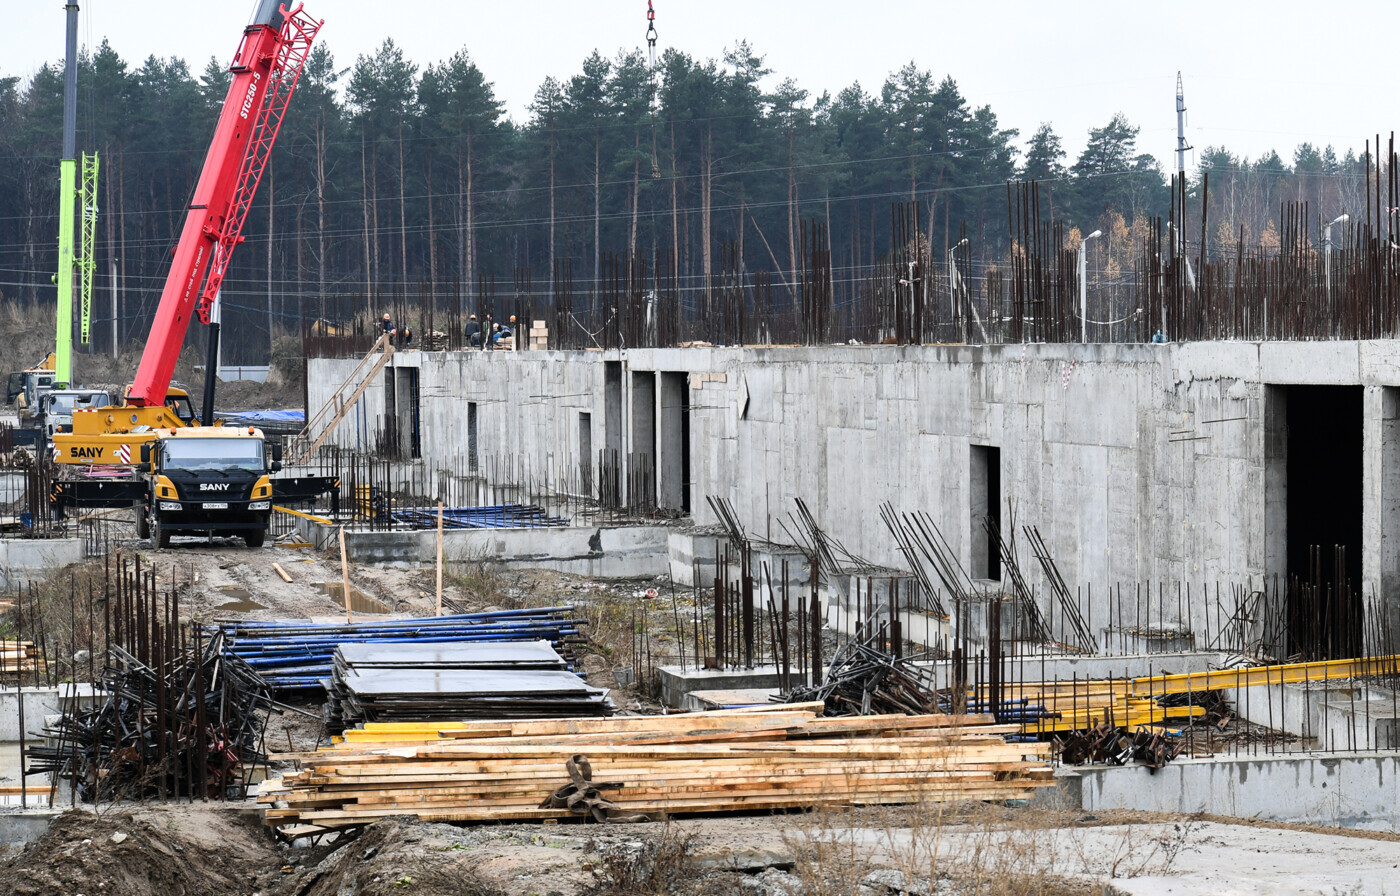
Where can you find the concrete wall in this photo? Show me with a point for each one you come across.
(618, 552)
(1137, 462)
(24, 561)
(38, 703)
(1350, 790)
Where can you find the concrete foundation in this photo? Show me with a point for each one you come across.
(677, 681)
(1350, 790)
(1340, 715)
(620, 552)
(39, 703)
(24, 561)
(20, 828)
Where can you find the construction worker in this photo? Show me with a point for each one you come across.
(387, 324)
(510, 331)
(471, 333)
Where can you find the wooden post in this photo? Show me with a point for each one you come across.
(439, 561)
(345, 578)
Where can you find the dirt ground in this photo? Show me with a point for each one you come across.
(179, 849)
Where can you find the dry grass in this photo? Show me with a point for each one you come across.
(975, 849)
(659, 863)
(64, 613)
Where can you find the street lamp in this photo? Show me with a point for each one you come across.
(953, 278)
(1084, 286)
(1327, 252)
(908, 311)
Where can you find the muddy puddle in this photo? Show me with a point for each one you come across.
(359, 601)
(240, 600)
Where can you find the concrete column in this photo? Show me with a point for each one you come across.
(1380, 519)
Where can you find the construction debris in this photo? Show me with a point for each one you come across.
(298, 656)
(1154, 747)
(863, 680)
(185, 722)
(775, 757)
(446, 681)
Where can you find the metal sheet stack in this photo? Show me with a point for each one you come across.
(441, 681)
(727, 761)
(297, 655)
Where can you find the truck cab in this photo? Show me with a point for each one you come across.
(55, 408)
(25, 389)
(207, 480)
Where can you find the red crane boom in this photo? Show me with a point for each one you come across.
(265, 71)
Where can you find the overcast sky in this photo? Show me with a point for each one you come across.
(1258, 75)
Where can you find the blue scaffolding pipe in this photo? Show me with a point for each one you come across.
(496, 516)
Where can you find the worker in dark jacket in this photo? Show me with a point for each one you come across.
(471, 333)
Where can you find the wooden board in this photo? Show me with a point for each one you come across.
(724, 761)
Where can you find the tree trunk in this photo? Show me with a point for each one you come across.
(706, 183)
(792, 221)
(551, 211)
(121, 239)
(471, 215)
(675, 210)
(636, 193)
(461, 216)
(597, 198)
(110, 204)
(321, 217)
(374, 217)
(403, 218)
(369, 268)
(432, 230)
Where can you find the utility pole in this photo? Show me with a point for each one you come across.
(1182, 147)
(1084, 285)
(67, 200)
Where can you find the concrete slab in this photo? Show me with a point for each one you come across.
(20, 828)
(1347, 790)
(729, 699)
(38, 703)
(678, 682)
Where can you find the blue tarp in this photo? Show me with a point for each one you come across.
(264, 416)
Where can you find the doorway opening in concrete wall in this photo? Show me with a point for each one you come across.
(1324, 506)
(585, 452)
(984, 500)
(402, 438)
(610, 456)
(472, 455)
(389, 438)
(674, 443)
(641, 458)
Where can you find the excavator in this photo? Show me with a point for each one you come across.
(182, 475)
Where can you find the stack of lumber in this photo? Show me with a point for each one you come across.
(452, 680)
(764, 758)
(19, 659)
